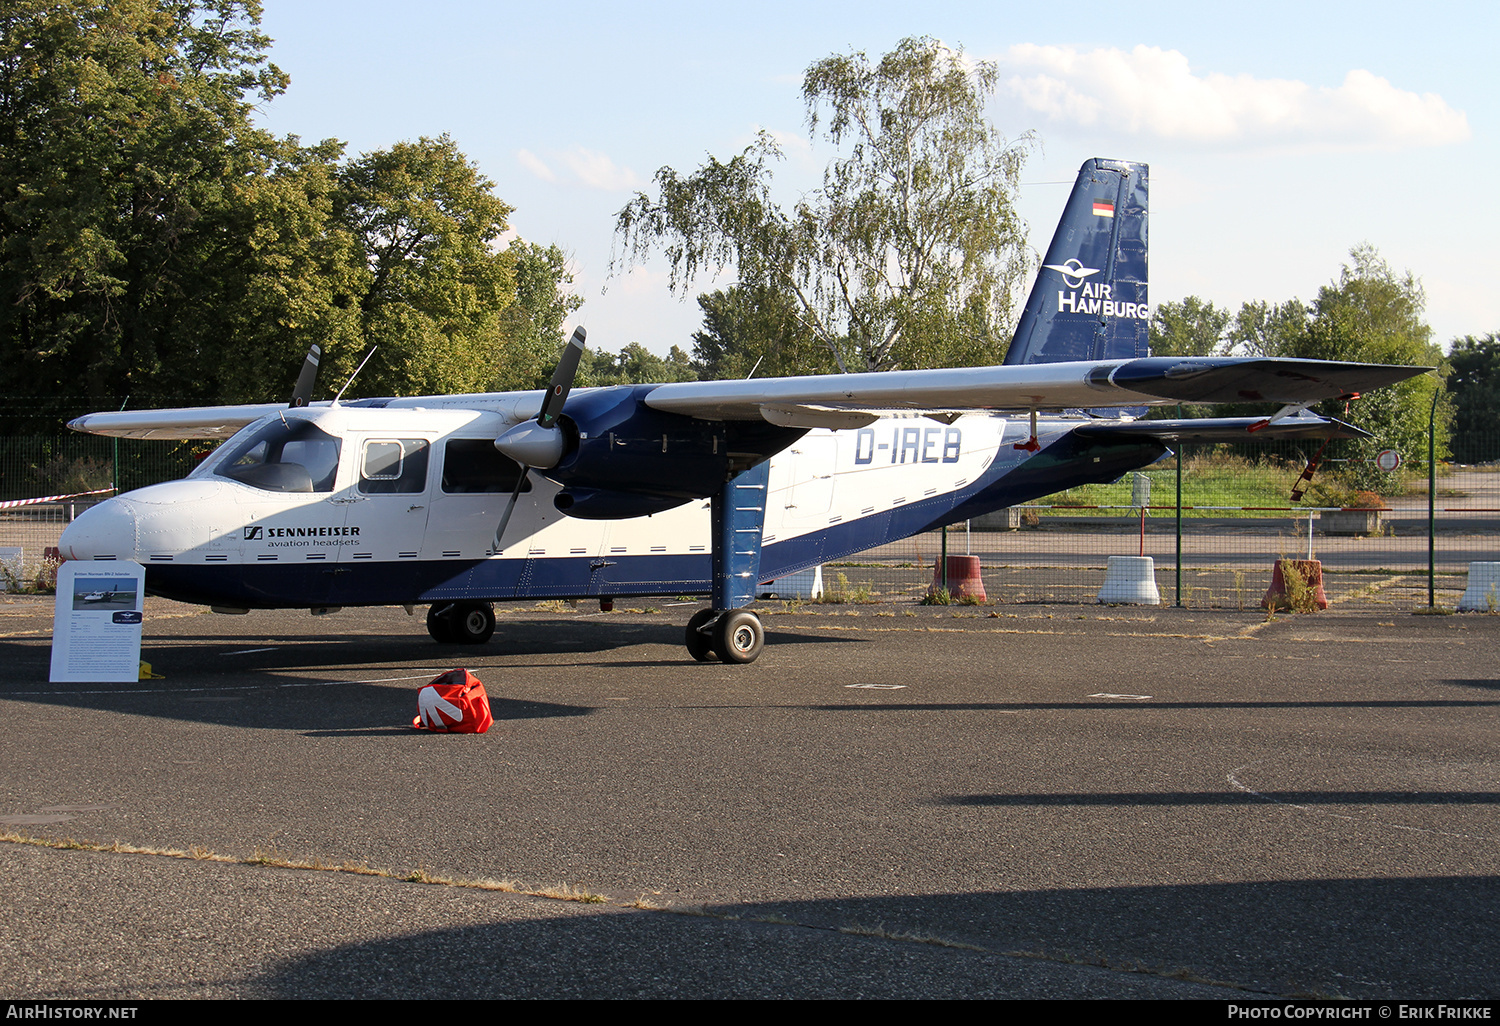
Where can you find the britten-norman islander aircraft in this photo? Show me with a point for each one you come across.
(705, 487)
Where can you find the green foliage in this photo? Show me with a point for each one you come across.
(1474, 386)
(154, 243)
(749, 329)
(910, 254)
(124, 138)
(434, 284)
(1208, 479)
(1369, 314)
(840, 591)
(1192, 327)
(533, 324)
(635, 365)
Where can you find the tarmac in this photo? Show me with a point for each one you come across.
(894, 801)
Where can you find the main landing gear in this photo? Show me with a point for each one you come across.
(734, 635)
(461, 623)
(729, 630)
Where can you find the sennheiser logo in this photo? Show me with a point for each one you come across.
(252, 533)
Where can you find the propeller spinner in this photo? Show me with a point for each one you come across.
(540, 444)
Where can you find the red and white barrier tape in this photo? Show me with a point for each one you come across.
(12, 503)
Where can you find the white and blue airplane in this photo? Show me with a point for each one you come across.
(708, 487)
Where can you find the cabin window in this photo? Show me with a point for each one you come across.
(286, 455)
(475, 465)
(393, 466)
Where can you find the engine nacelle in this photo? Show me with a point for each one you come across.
(607, 504)
(625, 459)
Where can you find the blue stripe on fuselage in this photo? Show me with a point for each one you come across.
(1013, 477)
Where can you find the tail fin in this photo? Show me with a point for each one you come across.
(1089, 300)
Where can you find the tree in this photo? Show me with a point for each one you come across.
(758, 330)
(124, 135)
(1369, 314)
(910, 253)
(1474, 385)
(635, 365)
(154, 243)
(1260, 328)
(436, 284)
(1189, 328)
(533, 324)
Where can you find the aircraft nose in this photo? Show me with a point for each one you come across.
(107, 530)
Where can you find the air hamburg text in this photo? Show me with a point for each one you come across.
(1095, 299)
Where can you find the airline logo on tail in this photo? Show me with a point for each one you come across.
(1095, 296)
(1072, 271)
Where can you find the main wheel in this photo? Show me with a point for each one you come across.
(700, 643)
(738, 636)
(473, 622)
(440, 622)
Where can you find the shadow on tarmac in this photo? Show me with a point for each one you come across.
(1417, 937)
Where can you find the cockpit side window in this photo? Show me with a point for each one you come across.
(393, 466)
(475, 465)
(284, 456)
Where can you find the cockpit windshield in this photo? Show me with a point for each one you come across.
(283, 456)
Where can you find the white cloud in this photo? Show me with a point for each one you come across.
(1153, 92)
(597, 171)
(531, 162)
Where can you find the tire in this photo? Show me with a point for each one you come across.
(440, 622)
(472, 622)
(739, 636)
(700, 643)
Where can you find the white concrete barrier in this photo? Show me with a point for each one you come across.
(1130, 581)
(1483, 593)
(804, 584)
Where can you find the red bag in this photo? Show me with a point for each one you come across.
(455, 703)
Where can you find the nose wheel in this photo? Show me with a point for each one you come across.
(735, 636)
(461, 623)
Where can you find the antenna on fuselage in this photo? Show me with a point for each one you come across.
(354, 375)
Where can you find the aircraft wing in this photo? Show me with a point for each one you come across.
(202, 422)
(820, 400)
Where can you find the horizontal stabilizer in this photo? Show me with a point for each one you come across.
(1225, 429)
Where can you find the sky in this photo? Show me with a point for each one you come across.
(1279, 135)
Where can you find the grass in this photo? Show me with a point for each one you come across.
(1207, 480)
(841, 591)
(272, 859)
(44, 583)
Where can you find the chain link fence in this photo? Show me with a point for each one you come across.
(1378, 550)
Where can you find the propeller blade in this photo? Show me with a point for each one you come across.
(562, 379)
(302, 393)
(509, 508)
(540, 443)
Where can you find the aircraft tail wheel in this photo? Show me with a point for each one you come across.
(700, 642)
(739, 636)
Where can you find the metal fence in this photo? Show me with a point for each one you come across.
(1237, 521)
(1215, 553)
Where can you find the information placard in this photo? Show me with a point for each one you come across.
(96, 627)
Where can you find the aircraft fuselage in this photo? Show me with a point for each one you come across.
(399, 507)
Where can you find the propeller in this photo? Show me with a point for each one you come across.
(540, 444)
(302, 393)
